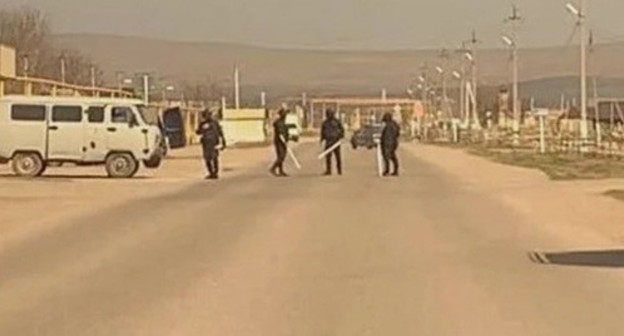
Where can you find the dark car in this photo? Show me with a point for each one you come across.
(367, 136)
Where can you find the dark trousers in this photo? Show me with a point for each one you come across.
(211, 156)
(389, 156)
(328, 159)
(280, 152)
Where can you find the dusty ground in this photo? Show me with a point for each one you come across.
(457, 245)
(68, 192)
(576, 208)
(36, 206)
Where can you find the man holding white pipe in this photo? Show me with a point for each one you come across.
(332, 133)
(280, 133)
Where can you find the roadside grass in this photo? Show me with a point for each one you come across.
(617, 194)
(563, 166)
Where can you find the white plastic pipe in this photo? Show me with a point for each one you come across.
(329, 150)
(379, 160)
(291, 153)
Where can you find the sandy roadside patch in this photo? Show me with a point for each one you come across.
(576, 211)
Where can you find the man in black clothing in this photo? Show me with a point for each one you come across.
(390, 144)
(211, 137)
(332, 132)
(280, 140)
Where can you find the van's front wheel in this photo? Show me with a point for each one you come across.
(121, 165)
(28, 165)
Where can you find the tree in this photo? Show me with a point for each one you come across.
(77, 68)
(205, 90)
(27, 29)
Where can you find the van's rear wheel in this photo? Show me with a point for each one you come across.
(28, 165)
(121, 165)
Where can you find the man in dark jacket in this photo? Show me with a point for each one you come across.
(280, 140)
(332, 132)
(390, 144)
(212, 140)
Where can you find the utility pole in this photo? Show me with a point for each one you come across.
(472, 94)
(463, 81)
(422, 78)
(236, 88)
(63, 69)
(26, 62)
(475, 84)
(119, 81)
(460, 78)
(146, 89)
(514, 19)
(444, 55)
(92, 77)
(440, 71)
(595, 91)
(583, 33)
(581, 16)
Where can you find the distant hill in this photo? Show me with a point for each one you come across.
(289, 72)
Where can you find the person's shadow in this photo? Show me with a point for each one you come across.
(57, 177)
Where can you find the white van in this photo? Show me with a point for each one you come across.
(293, 122)
(36, 131)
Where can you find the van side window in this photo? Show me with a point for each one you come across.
(95, 114)
(70, 114)
(121, 115)
(28, 112)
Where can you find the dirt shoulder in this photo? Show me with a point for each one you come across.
(577, 210)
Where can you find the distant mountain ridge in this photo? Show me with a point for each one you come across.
(289, 72)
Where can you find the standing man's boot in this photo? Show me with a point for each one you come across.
(215, 168)
(208, 168)
(395, 162)
(273, 171)
(328, 168)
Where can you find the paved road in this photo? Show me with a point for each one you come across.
(421, 255)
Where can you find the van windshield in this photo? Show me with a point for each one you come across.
(142, 109)
(149, 115)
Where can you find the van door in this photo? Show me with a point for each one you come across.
(123, 133)
(66, 133)
(173, 123)
(95, 134)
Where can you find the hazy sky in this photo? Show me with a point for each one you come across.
(359, 24)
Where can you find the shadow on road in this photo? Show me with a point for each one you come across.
(67, 177)
(606, 258)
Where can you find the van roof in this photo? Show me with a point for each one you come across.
(67, 100)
